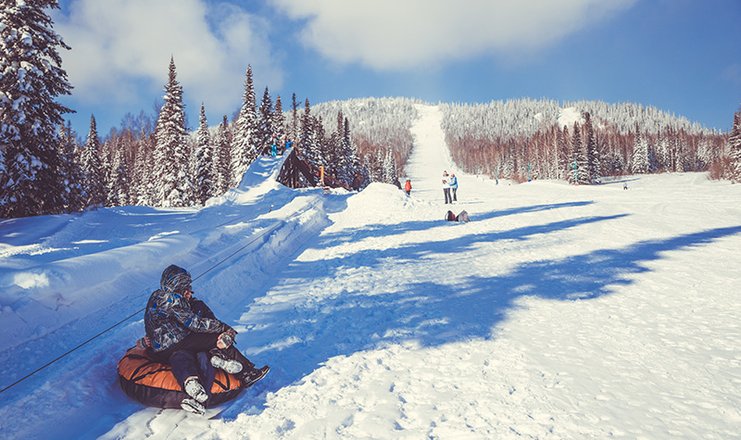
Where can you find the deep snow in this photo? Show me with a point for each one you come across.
(557, 312)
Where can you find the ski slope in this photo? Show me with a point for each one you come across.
(557, 312)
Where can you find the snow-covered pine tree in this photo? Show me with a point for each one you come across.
(31, 78)
(72, 172)
(245, 139)
(351, 166)
(309, 147)
(662, 152)
(734, 143)
(279, 121)
(118, 185)
(204, 160)
(639, 163)
(93, 179)
(174, 186)
(142, 180)
(222, 158)
(564, 152)
(294, 133)
(265, 123)
(390, 174)
(341, 160)
(578, 174)
(594, 167)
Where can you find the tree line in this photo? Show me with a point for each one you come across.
(529, 139)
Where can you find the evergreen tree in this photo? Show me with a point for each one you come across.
(390, 174)
(309, 147)
(265, 126)
(142, 176)
(640, 162)
(174, 185)
(352, 169)
(118, 192)
(564, 153)
(72, 172)
(222, 158)
(93, 177)
(578, 174)
(662, 152)
(594, 167)
(245, 142)
(279, 121)
(294, 118)
(337, 161)
(31, 78)
(204, 161)
(734, 142)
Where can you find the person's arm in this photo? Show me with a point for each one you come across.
(182, 312)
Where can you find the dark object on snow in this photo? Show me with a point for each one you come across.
(296, 173)
(153, 384)
(462, 217)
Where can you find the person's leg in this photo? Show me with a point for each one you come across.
(249, 373)
(206, 371)
(455, 198)
(184, 358)
(184, 365)
(185, 369)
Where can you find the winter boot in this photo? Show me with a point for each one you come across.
(194, 389)
(251, 376)
(194, 406)
(228, 365)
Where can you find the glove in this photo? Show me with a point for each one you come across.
(226, 339)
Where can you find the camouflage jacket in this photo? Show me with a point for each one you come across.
(168, 319)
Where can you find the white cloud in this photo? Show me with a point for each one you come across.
(403, 34)
(120, 47)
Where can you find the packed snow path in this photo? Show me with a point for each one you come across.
(557, 312)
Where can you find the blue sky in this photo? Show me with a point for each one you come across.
(682, 56)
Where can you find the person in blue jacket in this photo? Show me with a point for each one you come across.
(453, 183)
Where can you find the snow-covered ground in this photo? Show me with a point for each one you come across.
(557, 312)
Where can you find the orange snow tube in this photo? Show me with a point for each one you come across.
(153, 384)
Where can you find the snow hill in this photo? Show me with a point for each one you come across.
(557, 312)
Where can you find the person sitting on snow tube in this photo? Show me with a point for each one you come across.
(152, 383)
(177, 335)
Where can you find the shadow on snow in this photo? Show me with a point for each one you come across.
(433, 314)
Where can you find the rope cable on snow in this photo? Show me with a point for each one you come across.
(101, 333)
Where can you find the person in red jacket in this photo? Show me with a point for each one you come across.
(408, 186)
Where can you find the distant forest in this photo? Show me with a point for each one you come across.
(541, 139)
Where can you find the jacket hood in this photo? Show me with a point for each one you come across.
(175, 279)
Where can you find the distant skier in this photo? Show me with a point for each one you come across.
(274, 149)
(408, 187)
(176, 334)
(453, 182)
(446, 188)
